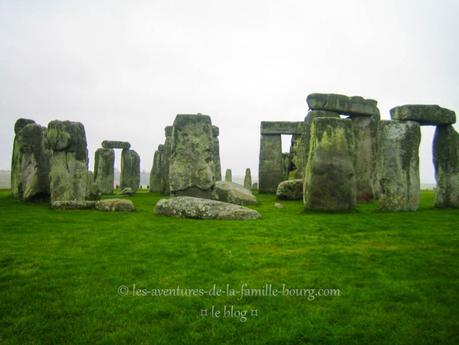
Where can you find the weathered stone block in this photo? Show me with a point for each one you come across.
(197, 208)
(69, 162)
(191, 167)
(354, 106)
(111, 144)
(365, 136)
(233, 193)
(130, 170)
(446, 163)
(228, 175)
(104, 170)
(270, 170)
(290, 190)
(303, 153)
(248, 179)
(329, 180)
(216, 154)
(30, 165)
(425, 115)
(115, 205)
(156, 178)
(398, 165)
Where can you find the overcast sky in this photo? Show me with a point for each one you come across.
(126, 68)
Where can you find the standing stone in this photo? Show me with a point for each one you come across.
(191, 167)
(306, 136)
(156, 178)
(69, 162)
(446, 163)
(216, 154)
(30, 163)
(165, 161)
(329, 180)
(248, 179)
(365, 135)
(270, 170)
(130, 170)
(104, 171)
(228, 175)
(398, 165)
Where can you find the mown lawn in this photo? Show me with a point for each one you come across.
(60, 272)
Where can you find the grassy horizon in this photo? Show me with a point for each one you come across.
(398, 275)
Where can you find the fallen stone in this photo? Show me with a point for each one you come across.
(115, 205)
(446, 163)
(329, 181)
(353, 106)
(110, 144)
(73, 205)
(197, 208)
(290, 190)
(425, 115)
(398, 165)
(233, 193)
(126, 191)
(278, 205)
(191, 166)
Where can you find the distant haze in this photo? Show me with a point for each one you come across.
(126, 68)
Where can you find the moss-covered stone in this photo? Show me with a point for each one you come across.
(115, 205)
(446, 163)
(30, 165)
(290, 190)
(104, 170)
(198, 208)
(130, 170)
(69, 162)
(329, 180)
(111, 144)
(165, 159)
(303, 153)
(354, 106)
(191, 166)
(424, 114)
(398, 165)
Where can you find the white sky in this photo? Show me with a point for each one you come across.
(126, 68)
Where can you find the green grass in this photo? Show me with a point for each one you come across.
(60, 271)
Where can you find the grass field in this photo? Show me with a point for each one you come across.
(397, 275)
